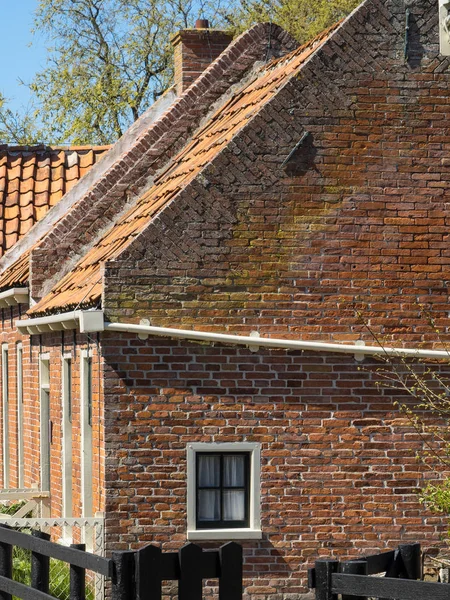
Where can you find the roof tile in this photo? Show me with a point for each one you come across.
(32, 180)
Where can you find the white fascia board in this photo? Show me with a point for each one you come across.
(87, 321)
(13, 297)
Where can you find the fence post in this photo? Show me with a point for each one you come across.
(40, 566)
(148, 573)
(190, 586)
(324, 571)
(5, 564)
(354, 567)
(123, 585)
(230, 579)
(77, 578)
(412, 560)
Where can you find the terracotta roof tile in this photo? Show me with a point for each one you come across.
(25, 226)
(82, 286)
(27, 212)
(32, 180)
(12, 212)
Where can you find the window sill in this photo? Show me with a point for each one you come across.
(224, 534)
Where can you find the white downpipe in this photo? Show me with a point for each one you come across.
(258, 342)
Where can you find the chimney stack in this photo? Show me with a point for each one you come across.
(194, 50)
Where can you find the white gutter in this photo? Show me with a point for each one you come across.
(84, 320)
(93, 320)
(14, 296)
(254, 342)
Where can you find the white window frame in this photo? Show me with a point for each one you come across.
(45, 425)
(5, 409)
(86, 437)
(20, 431)
(245, 533)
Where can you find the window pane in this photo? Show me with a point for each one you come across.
(234, 471)
(234, 505)
(209, 471)
(209, 505)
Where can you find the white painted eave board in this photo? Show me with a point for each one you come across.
(87, 321)
(13, 297)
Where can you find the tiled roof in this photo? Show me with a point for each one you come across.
(32, 180)
(17, 274)
(82, 287)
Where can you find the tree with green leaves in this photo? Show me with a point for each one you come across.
(302, 18)
(108, 60)
(17, 127)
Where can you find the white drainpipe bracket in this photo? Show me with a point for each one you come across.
(144, 336)
(254, 348)
(360, 357)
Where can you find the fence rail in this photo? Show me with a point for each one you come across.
(135, 574)
(401, 568)
(42, 546)
(399, 589)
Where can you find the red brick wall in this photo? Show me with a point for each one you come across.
(10, 337)
(338, 468)
(358, 216)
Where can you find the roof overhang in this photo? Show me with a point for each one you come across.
(13, 297)
(86, 321)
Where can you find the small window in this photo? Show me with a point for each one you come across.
(223, 491)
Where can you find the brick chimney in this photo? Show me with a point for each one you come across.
(194, 50)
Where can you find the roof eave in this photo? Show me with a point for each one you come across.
(86, 321)
(14, 296)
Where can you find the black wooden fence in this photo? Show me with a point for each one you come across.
(402, 568)
(134, 575)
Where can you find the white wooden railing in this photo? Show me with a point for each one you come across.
(36, 502)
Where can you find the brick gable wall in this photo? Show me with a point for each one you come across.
(358, 214)
(360, 211)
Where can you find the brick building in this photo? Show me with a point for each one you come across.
(191, 336)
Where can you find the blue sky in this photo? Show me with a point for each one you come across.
(19, 60)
